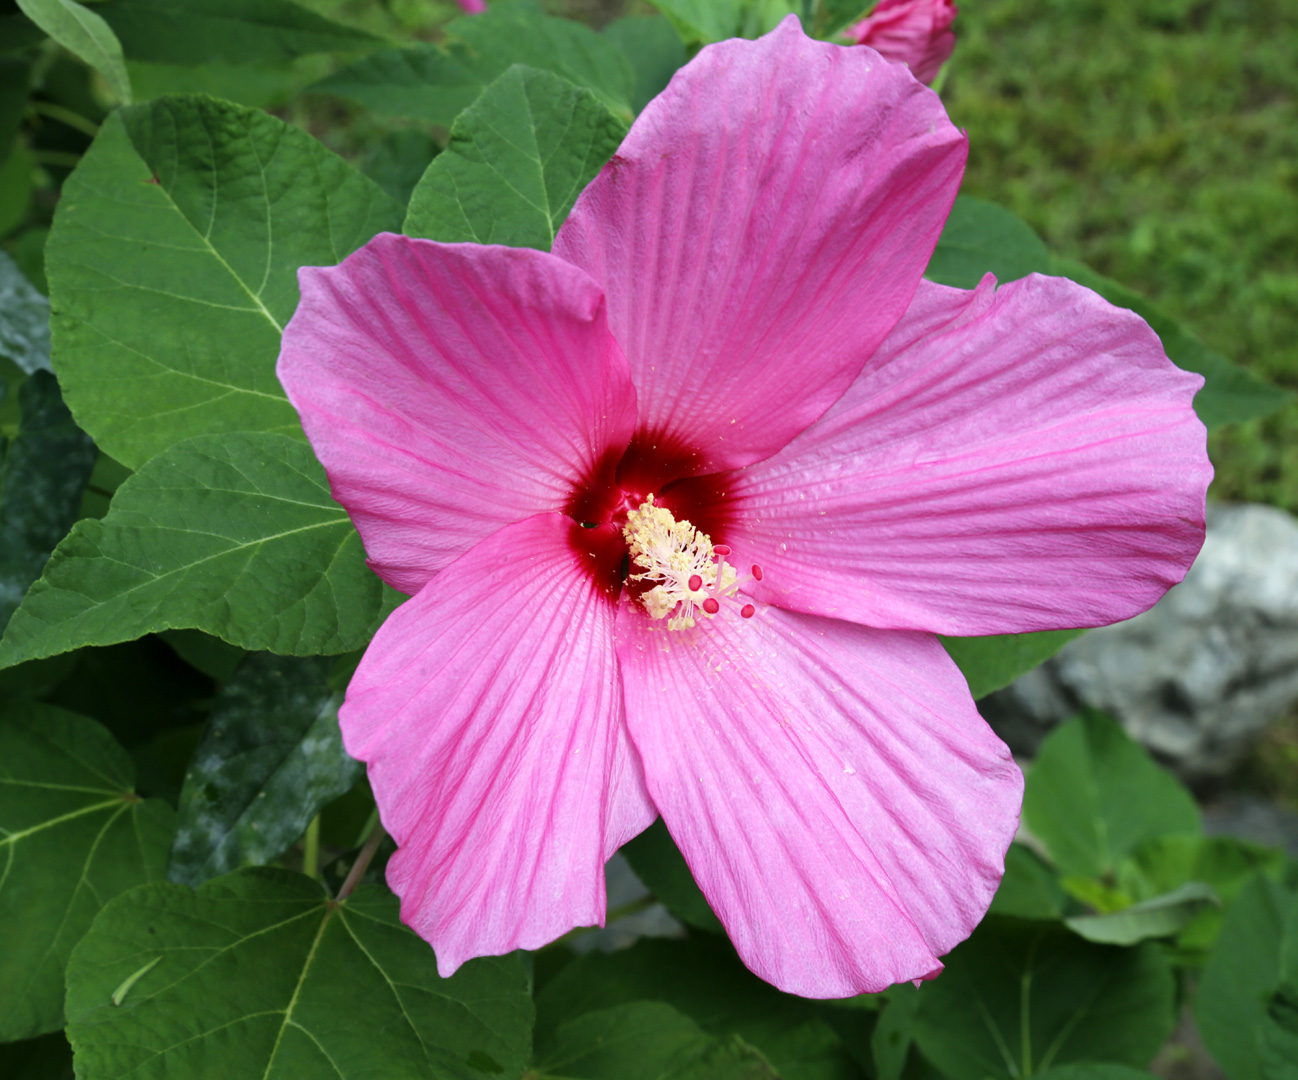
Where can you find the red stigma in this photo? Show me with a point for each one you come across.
(721, 549)
(757, 572)
(695, 583)
(748, 611)
(711, 606)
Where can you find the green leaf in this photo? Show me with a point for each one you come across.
(86, 36)
(1095, 1070)
(24, 320)
(1029, 889)
(992, 663)
(260, 86)
(234, 31)
(644, 1040)
(891, 1040)
(15, 188)
(272, 756)
(234, 535)
(434, 83)
(17, 32)
(1241, 975)
(72, 836)
(1230, 394)
(704, 979)
(701, 22)
(654, 49)
(210, 655)
(1020, 997)
(1092, 795)
(981, 237)
(659, 864)
(257, 974)
(15, 89)
(518, 158)
(400, 160)
(1161, 916)
(173, 268)
(831, 16)
(42, 474)
(46, 1058)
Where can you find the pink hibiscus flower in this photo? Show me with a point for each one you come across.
(913, 32)
(577, 463)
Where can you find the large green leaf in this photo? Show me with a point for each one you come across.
(981, 237)
(992, 663)
(1092, 795)
(235, 31)
(654, 49)
(644, 1040)
(1240, 977)
(272, 756)
(1160, 916)
(173, 268)
(24, 320)
(258, 974)
(42, 473)
(700, 22)
(235, 535)
(657, 862)
(84, 34)
(518, 158)
(72, 836)
(1230, 394)
(434, 83)
(1029, 889)
(1021, 996)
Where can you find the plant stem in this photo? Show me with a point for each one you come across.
(362, 862)
(311, 849)
(65, 116)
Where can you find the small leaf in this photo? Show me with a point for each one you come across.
(1092, 795)
(518, 158)
(992, 663)
(434, 83)
(654, 49)
(234, 535)
(234, 31)
(1161, 916)
(1020, 997)
(261, 975)
(659, 864)
(981, 237)
(42, 475)
(85, 35)
(272, 756)
(173, 268)
(72, 836)
(24, 320)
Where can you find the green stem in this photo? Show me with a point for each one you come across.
(65, 116)
(311, 849)
(362, 862)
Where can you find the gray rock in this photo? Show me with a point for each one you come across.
(1198, 677)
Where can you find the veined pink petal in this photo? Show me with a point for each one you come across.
(759, 232)
(450, 389)
(840, 802)
(489, 711)
(1020, 460)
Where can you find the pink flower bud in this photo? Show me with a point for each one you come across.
(473, 7)
(914, 32)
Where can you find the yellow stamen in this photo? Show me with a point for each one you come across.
(670, 553)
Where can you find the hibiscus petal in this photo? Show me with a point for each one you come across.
(450, 389)
(759, 232)
(489, 711)
(842, 805)
(1027, 459)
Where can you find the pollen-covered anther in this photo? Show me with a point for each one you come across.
(680, 563)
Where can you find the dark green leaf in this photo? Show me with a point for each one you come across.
(85, 35)
(1161, 916)
(832, 16)
(272, 756)
(210, 655)
(235, 535)
(1241, 975)
(1230, 394)
(1095, 1071)
(15, 188)
(399, 161)
(644, 1040)
(434, 83)
(654, 49)
(44, 469)
(235, 31)
(1029, 889)
(1019, 997)
(192, 216)
(15, 88)
(657, 862)
(518, 158)
(46, 1058)
(892, 1037)
(257, 974)
(980, 238)
(702, 978)
(24, 320)
(17, 32)
(1092, 795)
(992, 663)
(263, 85)
(72, 836)
(700, 22)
